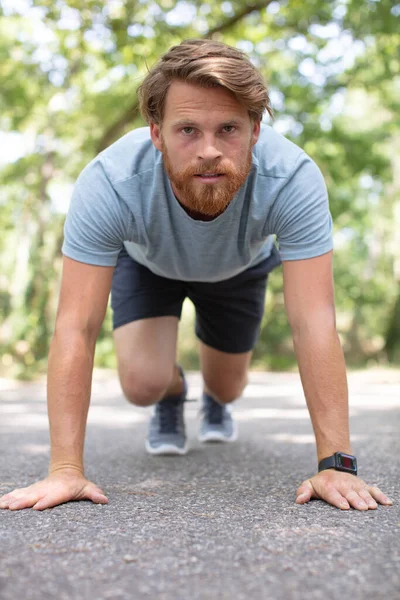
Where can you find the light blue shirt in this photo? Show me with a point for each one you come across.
(124, 196)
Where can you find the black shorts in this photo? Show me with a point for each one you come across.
(228, 312)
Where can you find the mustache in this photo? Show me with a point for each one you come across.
(204, 169)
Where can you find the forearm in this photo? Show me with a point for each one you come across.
(323, 375)
(68, 396)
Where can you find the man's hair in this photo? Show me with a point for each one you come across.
(208, 64)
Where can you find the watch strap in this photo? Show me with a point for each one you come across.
(327, 463)
(340, 462)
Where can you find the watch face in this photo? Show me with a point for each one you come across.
(345, 461)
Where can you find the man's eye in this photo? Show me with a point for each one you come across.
(229, 128)
(187, 130)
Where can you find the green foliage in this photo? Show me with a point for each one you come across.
(69, 74)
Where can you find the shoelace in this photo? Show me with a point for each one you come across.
(169, 414)
(214, 411)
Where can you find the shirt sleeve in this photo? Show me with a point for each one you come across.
(300, 215)
(98, 221)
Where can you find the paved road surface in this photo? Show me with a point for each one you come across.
(218, 523)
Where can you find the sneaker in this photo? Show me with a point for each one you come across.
(217, 424)
(166, 432)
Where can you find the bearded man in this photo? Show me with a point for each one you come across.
(189, 207)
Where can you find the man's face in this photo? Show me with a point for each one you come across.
(206, 139)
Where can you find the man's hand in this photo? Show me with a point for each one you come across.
(341, 490)
(60, 486)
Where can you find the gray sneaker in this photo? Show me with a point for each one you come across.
(217, 424)
(166, 432)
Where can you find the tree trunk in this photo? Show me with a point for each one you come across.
(392, 345)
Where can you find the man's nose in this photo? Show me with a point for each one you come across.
(208, 148)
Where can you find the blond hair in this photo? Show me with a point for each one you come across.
(208, 64)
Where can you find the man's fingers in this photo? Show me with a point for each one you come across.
(342, 490)
(92, 488)
(95, 494)
(26, 501)
(305, 492)
(356, 501)
(39, 498)
(55, 497)
(24, 498)
(12, 497)
(99, 498)
(334, 497)
(53, 490)
(303, 498)
(366, 496)
(330, 494)
(379, 496)
(7, 497)
(49, 501)
(5, 501)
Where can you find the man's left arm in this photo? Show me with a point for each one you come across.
(309, 301)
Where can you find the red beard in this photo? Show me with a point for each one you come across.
(207, 199)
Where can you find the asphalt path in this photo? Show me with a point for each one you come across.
(218, 523)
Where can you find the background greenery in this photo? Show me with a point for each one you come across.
(69, 70)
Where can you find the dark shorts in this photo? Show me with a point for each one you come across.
(228, 312)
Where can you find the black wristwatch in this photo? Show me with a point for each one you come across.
(339, 462)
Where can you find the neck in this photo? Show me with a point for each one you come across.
(194, 214)
(199, 216)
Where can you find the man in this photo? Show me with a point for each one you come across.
(188, 207)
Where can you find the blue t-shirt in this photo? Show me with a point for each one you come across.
(124, 196)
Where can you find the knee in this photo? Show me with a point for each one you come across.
(144, 389)
(226, 391)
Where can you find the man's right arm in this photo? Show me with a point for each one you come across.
(82, 305)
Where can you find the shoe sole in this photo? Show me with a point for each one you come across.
(217, 436)
(167, 449)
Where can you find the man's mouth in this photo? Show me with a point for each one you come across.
(209, 176)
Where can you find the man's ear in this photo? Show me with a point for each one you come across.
(155, 133)
(256, 132)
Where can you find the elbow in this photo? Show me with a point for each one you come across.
(319, 325)
(69, 333)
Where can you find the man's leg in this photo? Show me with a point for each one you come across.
(146, 351)
(225, 377)
(224, 374)
(228, 319)
(146, 312)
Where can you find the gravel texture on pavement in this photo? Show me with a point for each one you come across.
(218, 523)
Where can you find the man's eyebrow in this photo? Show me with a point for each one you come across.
(184, 123)
(189, 123)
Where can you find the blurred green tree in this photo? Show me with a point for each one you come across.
(69, 74)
